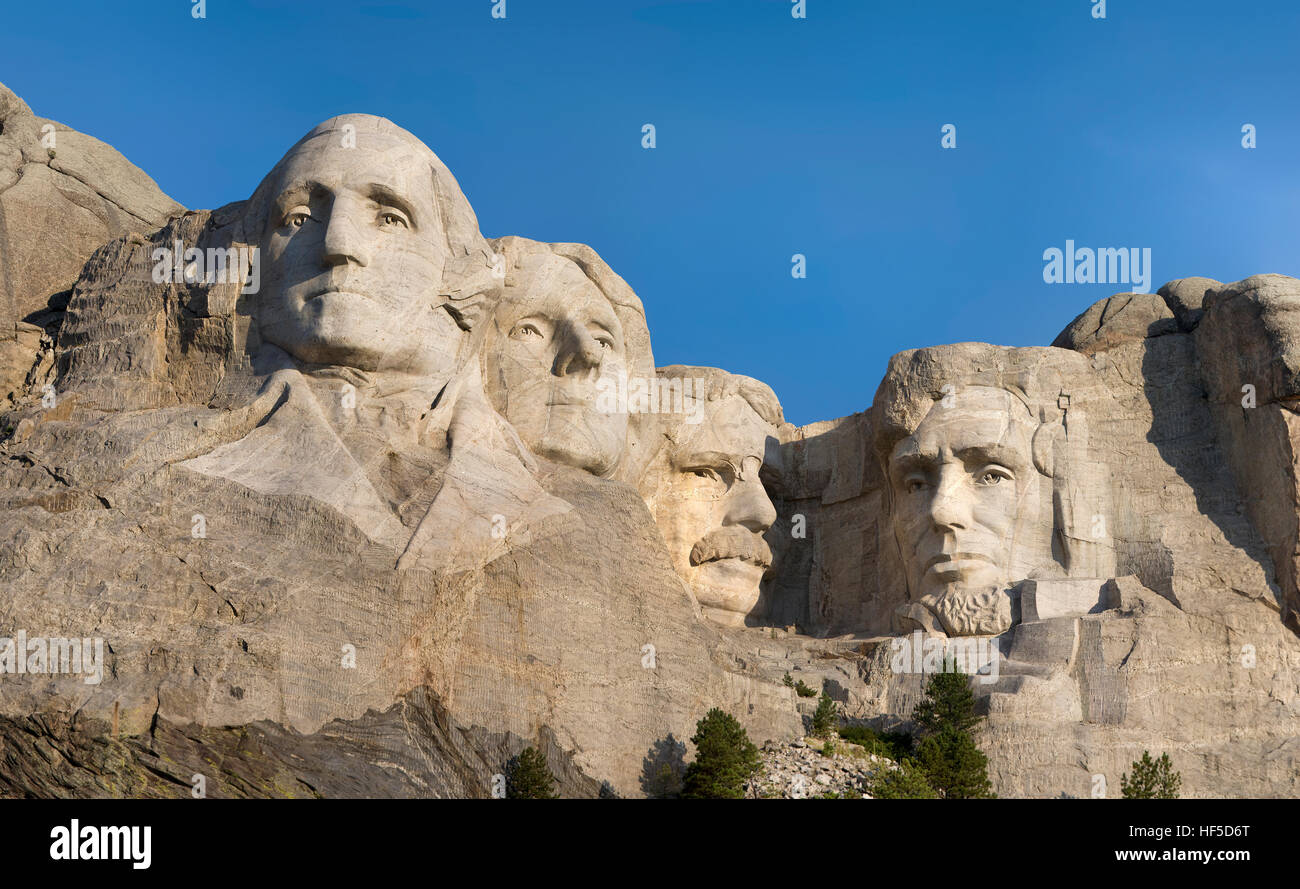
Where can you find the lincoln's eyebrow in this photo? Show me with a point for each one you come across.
(999, 454)
(382, 194)
(910, 462)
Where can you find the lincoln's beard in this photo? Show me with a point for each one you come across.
(972, 611)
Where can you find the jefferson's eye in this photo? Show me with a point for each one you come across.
(391, 218)
(605, 343)
(525, 331)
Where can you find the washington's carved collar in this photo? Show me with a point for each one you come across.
(390, 408)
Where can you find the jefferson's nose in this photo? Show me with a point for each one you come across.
(343, 239)
(749, 506)
(578, 352)
(950, 506)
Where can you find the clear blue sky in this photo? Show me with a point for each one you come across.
(775, 136)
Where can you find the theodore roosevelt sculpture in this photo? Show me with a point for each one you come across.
(704, 489)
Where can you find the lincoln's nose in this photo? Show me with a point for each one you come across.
(950, 507)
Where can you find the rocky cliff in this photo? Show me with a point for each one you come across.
(321, 568)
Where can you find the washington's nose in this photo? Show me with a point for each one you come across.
(949, 508)
(579, 351)
(750, 507)
(343, 241)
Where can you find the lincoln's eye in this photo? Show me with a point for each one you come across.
(393, 219)
(992, 476)
(913, 485)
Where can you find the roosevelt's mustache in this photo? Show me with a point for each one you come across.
(732, 542)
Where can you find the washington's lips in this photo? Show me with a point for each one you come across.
(732, 543)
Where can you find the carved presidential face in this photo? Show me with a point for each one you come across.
(353, 254)
(555, 339)
(971, 513)
(713, 511)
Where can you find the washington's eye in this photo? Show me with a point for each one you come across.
(391, 218)
(297, 216)
(705, 472)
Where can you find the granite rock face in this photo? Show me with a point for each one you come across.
(332, 541)
(1163, 618)
(354, 501)
(63, 194)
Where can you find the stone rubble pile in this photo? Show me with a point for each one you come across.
(801, 769)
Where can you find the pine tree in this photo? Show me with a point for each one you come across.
(1152, 779)
(947, 754)
(825, 717)
(527, 777)
(908, 781)
(954, 766)
(948, 703)
(663, 769)
(725, 759)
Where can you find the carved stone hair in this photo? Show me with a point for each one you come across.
(627, 306)
(720, 384)
(918, 378)
(1052, 385)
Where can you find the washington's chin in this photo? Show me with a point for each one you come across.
(345, 354)
(730, 585)
(356, 340)
(339, 310)
(342, 324)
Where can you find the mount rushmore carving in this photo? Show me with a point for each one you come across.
(372, 512)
